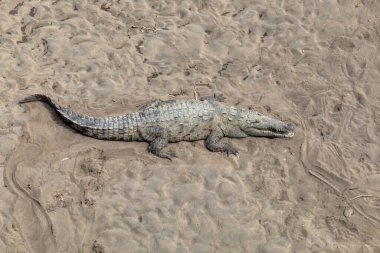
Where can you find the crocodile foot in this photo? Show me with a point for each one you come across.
(231, 150)
(217, 98)
(168, 155)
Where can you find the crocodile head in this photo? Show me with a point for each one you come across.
(255, 124)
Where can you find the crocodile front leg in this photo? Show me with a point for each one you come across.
(213, 143)
(159, 140)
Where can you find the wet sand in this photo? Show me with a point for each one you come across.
(316, 63)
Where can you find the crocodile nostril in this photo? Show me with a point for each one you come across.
(290, 126)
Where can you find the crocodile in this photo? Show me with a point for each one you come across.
(160, 122)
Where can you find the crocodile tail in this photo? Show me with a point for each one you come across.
(40, 97)
(110, 128)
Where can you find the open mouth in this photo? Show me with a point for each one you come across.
(285, 132)
(277, 133)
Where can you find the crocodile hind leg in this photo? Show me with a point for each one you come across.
(156, 146)
(213, 143)
(159, 140)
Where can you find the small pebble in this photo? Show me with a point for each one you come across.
(348, 212)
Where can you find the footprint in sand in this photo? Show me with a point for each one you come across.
(355, 68)
(89, 174)
(341, 228)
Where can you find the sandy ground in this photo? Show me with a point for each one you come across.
(316, 63)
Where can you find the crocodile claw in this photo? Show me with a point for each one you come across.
(168, 155)
(232, 151)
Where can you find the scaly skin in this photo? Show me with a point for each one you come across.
(160, 122)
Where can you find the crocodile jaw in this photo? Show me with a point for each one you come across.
(277, 130)
(270, 133)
